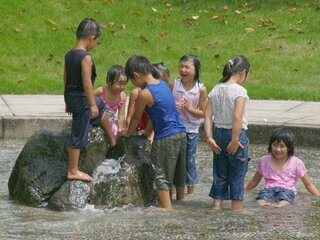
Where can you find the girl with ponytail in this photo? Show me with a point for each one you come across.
(228, 140)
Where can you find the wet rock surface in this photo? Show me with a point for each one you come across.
(125, 177)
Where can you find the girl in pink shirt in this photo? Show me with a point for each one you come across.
(281, 170)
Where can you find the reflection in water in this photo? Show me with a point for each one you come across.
(192, 220)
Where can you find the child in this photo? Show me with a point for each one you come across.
(114, 97)
(191, 99)
(160, 72)
(281, 171)
(169, 146)
(79, 76)
(226, 102)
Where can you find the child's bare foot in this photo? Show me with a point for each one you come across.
(190, 190)
(160, 209)
(217, 208)
(79, 175)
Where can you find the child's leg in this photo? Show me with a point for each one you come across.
(106, 126)
(73, 172)
(236, 205)
(180, 193)
(263, 203)
(164, 197)
(192, 176)
(282, 203)
(217, 204)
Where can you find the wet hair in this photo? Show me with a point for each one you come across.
(236, 64)
(138, 64)
(160, 69)
(88, 27)
(114, 73)
(286, 136)
(196, 63)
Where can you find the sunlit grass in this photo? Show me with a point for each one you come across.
(280, 38)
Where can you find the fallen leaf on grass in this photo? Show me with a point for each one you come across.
(143, 39)
(51, 21)
(195, 17)
(16, 29)
(137, 12)
(154, 10)
(237, 12)
(215, 17)
(248, 30)
(225, 8)
(196, 47)
(162, 34)
(219, 66)
(123, 26)
(55, 29)
(22, 11)
(293, 10)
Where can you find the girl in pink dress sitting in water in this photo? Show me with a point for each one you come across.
(281, 170)
(114, 97)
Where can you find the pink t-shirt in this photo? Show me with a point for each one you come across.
(286, 178)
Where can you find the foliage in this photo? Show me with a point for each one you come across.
(279, 37)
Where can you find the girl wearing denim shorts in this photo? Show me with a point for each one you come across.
(228, 140)
(281, 170)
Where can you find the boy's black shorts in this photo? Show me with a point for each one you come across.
(81, 121)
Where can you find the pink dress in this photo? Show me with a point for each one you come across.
(286, 178)
(111, 110)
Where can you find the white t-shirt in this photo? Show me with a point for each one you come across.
(223, 97)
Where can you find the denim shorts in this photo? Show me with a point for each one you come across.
(81, 121)
(276, 194)
(229, 170)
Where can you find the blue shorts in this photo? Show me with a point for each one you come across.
(229, 170)
(276, 194)
(81, 121)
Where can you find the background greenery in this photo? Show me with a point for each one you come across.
(279, 37)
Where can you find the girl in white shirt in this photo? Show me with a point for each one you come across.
(226, 108)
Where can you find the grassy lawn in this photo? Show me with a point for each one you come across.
(281, 39)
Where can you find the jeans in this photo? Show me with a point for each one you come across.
(192, 143)
(229, 170)
(276, 194)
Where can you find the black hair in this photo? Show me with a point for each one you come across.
(286, 136)
(196, 63)
(236, 64)
(160, 69)
(88, 27)
(138, 64)
(114, 73)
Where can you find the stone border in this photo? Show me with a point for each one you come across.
(24, 127)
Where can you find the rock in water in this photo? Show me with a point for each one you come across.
(42, 165)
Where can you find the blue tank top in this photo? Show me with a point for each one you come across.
(163, 113)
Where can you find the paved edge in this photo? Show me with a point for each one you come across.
(25, 127)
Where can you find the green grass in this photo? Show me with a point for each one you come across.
(283, 48)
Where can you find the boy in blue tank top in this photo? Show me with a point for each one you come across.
(168, 152)
(79, 77)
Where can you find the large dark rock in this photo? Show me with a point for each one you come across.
(124, 177)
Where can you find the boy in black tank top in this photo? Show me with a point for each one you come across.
(79, 76)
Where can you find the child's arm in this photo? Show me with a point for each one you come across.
(253, 182)
(144, 99)
(122, 113)
(236, 125)
(98, 92)
(309, 185)
(208, 122)
(86, 66)
(198, 112)
(133, 97)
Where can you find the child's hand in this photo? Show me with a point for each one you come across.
(185, 102)
(213, 145)
(233, 146)
(94, 111)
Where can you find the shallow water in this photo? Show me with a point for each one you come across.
(193, 218)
